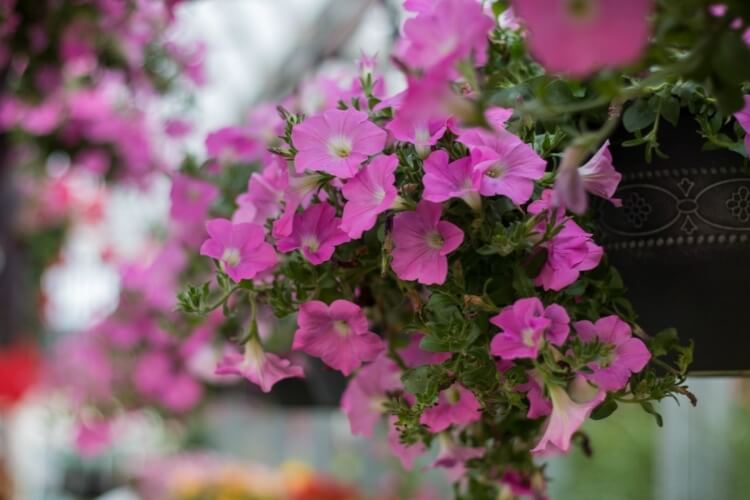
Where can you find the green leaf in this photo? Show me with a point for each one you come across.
(638, 116)
(670, 109)
(648, 407)
(663, 342)
(604, 410)
(732, 58)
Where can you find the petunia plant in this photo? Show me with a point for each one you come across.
(437, 245)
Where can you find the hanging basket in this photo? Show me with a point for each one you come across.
(681, 241)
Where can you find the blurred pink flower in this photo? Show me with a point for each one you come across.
(624, 354)
(241, 248)
(92, 437)
(233, 144)
(508, 165)
(261, 368)
(336, 142)
(415, 356)
(597, 176)
(365, 395)
(458, 179)
(156, 282)
(316, 234)
(406, 453)
(456, 405)
(369, 193)
(524, 327)
(191, 198)
(566, 418)
(743, 116)
(422, 243)
(265, 193)
(539, 406)
(578, 38)
(338, 334)
(453, 456)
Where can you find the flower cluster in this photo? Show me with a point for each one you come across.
(437, 245)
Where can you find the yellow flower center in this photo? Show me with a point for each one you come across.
(231, 256)
(340, 146)
(435, 240)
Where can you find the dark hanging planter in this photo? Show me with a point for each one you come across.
(681, 241)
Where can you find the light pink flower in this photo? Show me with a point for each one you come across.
(265, 192)
(450, 31)
(414, 356)
(624, 353)
(566, 418)
(369, 193)
(743, 116)
(453, 456)
(597, 176)
(191, 198)
(298, 192)
(578, 38)
(182, 393)
(338, 334)
(508, 165)
(458, 179)
(261, 368)
(233, 144)
(156, 282)
(336, 142)
(316, 234)
(406, 453)
(364, 397)
(525, 325)
(422, 243)
(423, 133)
(241, 248)
(456, 405)
(93, 437)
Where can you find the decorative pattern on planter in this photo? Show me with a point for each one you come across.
(683, 206)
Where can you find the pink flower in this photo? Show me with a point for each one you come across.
(456, 405)
(233, 144)
(578, 38)
(518, 485)
(241, 248)
(508, 165)
(597, 176)
(623, 356)
(743, 116)
(156, 282)
(566, 418)
(423, 133)
(453, 456)
(316, 234)
(421, 244)
(191, 198)
(414, 356)
(569, 252)
(337, 334)
(93, 437)
(366, 394)
(298, 193)
(525, 325)
(265, 192)
(182, 393)
(539, 406)
(458, 179)
(336, 142)
(261, 368)
(450, 31)
(369, 193)
(406, 453)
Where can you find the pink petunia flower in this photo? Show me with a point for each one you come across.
(525, 326)
(233, 144)
(191, 198)
(578, 38)
(338, 334)
(261, 368)
(450, 31)
(336, 142)
(539, 406)
(369, 193)
(364, 397)
(406, 453)
(456, 405)
(93, 437)
(414, 356)
(508, 165)
(743, 116)
(423, 133)
(316, 234)
(422, 243)
(569, 252)
(458, 179)
(299, 192)
(265, 193)
(597, 176)
(624, 354)
(453, 456)
(241, 248)
(566, 418)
